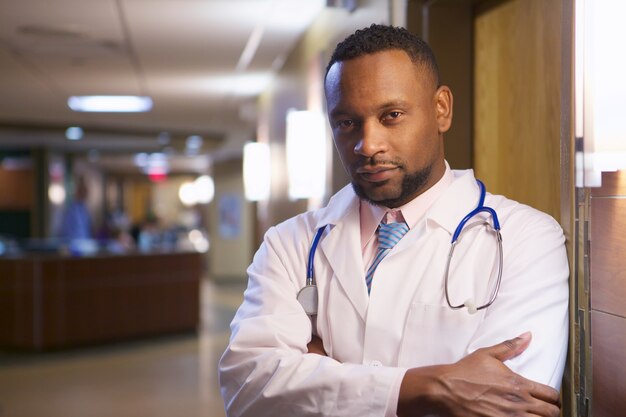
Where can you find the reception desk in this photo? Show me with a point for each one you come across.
(55, 301)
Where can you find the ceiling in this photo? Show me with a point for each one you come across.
(203, 62)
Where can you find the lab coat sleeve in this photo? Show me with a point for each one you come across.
(533, 297)
(266, 370)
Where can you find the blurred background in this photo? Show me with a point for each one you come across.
(147, 145)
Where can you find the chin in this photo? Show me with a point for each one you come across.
(377, 196)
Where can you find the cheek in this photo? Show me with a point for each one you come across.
(418, 148)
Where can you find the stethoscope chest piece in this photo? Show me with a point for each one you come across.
(307, 297)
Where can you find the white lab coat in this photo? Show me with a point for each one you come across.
(405, 322)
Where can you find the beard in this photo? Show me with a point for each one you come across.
(409, 189)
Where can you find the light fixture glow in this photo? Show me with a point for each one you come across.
(187, 194)
(256, 171)
(74, 133)
(113, 104)
(306, 154)
(198, 240)
(141, 159)
(56, 193)
(200, 191)
(193, 144)
(599, 74)
(205, 189)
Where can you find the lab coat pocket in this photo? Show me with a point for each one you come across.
(436, 334)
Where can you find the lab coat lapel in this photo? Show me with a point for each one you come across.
(342, 247)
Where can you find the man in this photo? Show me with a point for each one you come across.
(386, 341)
(76, 221)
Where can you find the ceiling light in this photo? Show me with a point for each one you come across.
(141, 159)
(74, 133)
(118, 104)
(193, 143)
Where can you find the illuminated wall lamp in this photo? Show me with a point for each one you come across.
(256, 171)
(600, 88)
(306, 154)
(200, 191)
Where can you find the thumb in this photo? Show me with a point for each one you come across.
(510, 348)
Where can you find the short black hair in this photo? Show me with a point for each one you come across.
(378, 38)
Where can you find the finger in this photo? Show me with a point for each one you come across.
(316, 346)
(544, 409)
(510, 348)
(545, 393)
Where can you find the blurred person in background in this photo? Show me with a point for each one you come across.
(76, 220)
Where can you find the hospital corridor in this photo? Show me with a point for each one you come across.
(163, 376)
(417, 194)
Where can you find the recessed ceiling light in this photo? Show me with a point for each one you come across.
(121, 104)
(74, 133)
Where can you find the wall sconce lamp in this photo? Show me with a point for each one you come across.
(306, 154)
(256, 171)
(600, 88)
(200, 191)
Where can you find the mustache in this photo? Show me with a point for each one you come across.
(375, 162)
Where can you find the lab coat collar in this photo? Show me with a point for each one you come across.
(342, 246)
(344, 202)
(460, 198)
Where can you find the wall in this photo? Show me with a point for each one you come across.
(231, 226)
(165, 201)
(517, 92)
(607, 245)
(447, 27)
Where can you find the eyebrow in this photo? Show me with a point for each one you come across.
(394, 103)
(339, 111)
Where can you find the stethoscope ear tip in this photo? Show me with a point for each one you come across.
(471, 306)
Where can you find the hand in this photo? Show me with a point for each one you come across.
(477, 385)
(316, 346)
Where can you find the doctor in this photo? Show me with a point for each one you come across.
(385, 341)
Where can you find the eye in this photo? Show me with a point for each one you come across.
(392, 115)
(345, 124)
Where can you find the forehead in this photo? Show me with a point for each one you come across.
(378, 75)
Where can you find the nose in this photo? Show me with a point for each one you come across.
(372, 140)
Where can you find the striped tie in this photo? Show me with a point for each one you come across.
(389, 234)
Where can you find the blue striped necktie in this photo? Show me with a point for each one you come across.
(389, 234)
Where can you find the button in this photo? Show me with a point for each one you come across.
(376, 363)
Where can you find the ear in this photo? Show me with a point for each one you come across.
(443, 105)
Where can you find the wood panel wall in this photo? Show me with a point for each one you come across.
(447, 27)
(517, 64)
(607, 245)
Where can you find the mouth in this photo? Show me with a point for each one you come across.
(376, 173)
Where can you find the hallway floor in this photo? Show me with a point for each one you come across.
(162, 377)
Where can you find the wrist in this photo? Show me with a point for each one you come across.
(421, 391)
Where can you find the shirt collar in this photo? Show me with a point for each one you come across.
(413, 211)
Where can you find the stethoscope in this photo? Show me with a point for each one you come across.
(307, 296)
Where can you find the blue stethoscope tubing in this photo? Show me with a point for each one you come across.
(310, 280)
(305, 294)
(469, 303)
